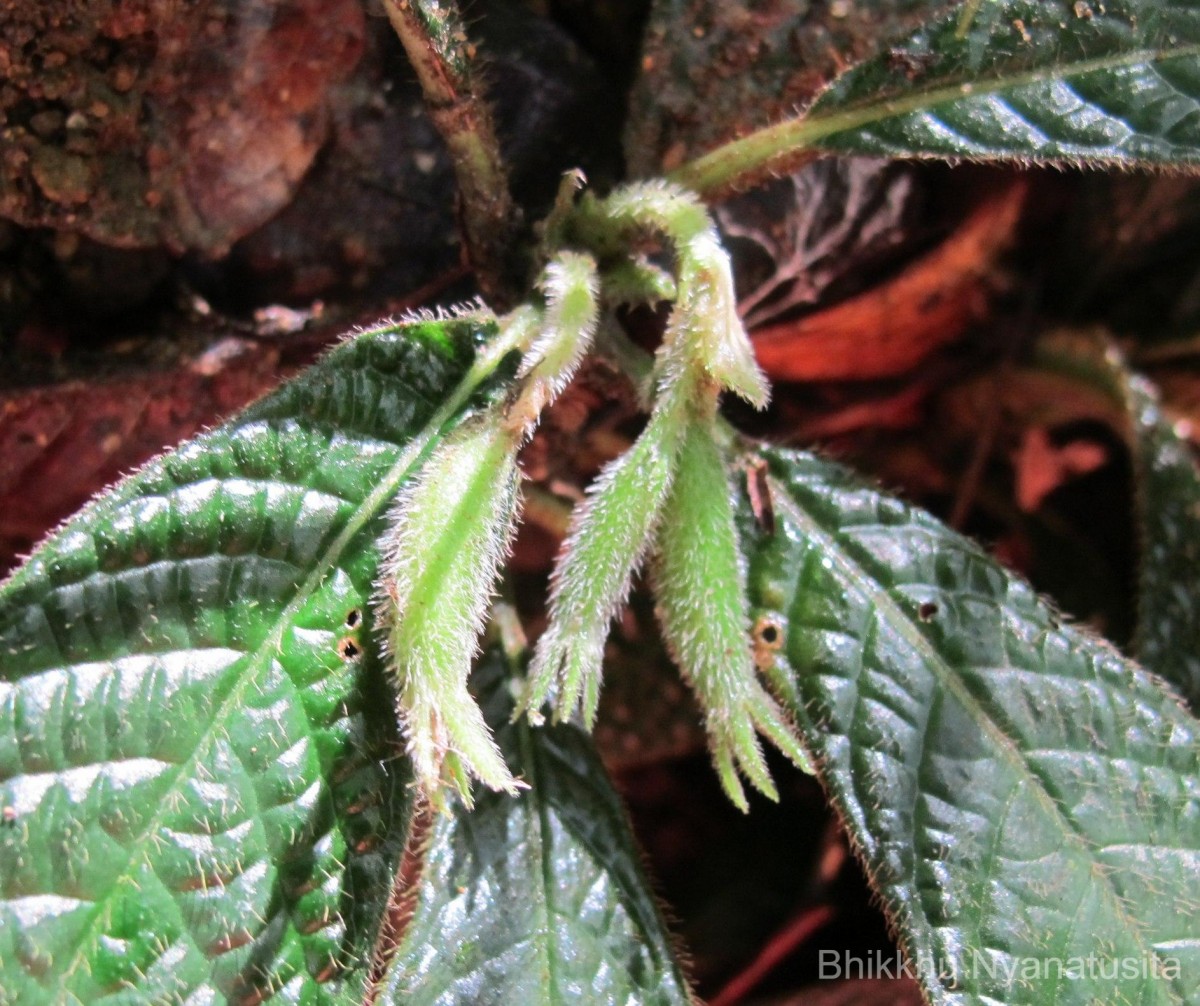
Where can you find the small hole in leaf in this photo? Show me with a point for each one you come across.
(927, 611)
(769, 631)
(353, 617)
(348, 648)
(767, 639)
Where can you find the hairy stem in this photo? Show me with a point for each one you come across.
(434, 37)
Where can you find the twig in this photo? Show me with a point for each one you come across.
(435, 39)
(981, 452)
(793, 935)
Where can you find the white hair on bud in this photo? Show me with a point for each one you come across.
(452, 528)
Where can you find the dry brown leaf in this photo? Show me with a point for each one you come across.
(1041, 467)
(888, 330)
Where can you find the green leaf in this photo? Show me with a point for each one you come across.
(1113, 81)
(1065, 81)
(1025, 800)
(712, 70)
(1168, 510)
(193, 723)
(535, 899)
(451, 528)
(609, 535)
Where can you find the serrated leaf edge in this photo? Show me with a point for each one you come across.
(787, 507)
(484, 364)
(721, 169)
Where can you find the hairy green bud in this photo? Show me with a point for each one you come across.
(609, 537)
(451, 529)
(699, 581)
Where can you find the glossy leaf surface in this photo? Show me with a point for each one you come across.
(1035, 80)
(1025, 800)
(1166, 504)
(712, 70)
(1051, 80)
(537, 899)
(196, 742)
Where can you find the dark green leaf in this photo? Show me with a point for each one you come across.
(1168, 507)
(192, 718)
(537, 899)
(711, 70)
(1026, 801)
(1095, 81)
(1117, 80)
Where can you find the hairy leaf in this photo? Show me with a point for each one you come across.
(451, 528)
(537, 899)
(1025, 800)
(700, 587)
(609, 536)
(711, 70)
(193, 726)
(1070, 81)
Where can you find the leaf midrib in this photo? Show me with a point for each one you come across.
(898, 618)
(712, 171)
(855, 116)
(545, 871)
(483, 366)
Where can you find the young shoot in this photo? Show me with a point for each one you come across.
(699, 581)
(609, 536)
(704, 350)
(705, 317)
(566, 330)
(451, 529)
(708, 323)
(668, 493)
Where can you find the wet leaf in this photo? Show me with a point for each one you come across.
(711, 71)
(1031, 80)
(197, 751)
(1168, 510)
(1043, 80)
(1021, 795)
(1166, 506)
(537, 899)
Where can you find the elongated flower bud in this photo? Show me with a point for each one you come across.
(571, 287)
(705, 316)
(706, 319)
(452, 527)
(567, 329)
(610, 534)
(700, 584)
